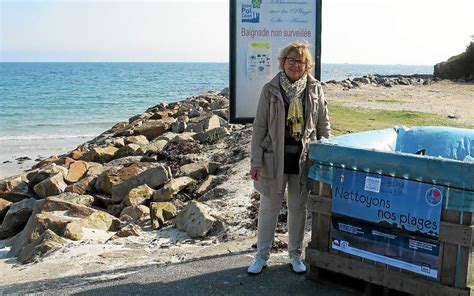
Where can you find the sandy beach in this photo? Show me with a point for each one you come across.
(18, 155)
(446, 98)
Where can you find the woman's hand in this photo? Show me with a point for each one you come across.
(255, 173)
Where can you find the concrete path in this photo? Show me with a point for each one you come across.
(219, 275)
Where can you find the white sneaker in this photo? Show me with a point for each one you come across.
(298, 265)
(257, 266)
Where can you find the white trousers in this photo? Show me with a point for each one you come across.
(268, 217)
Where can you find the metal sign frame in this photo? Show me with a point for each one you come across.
(254, 28)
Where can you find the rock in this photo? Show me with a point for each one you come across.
(211, 136)
(199, 170)
(76, 154)
(186, 136)
(214, 193)
(81, 187)
(161, 115)
(153, 177)
(139, 214)
(95, 169)
(180, 125)
(73, 230)
(138, 196)
(151, 129)
(127, 150)
(47, 161)
(114, 209)
(102, 220)
(218, 103)
(404, 81)
(103, 201)
(53, 185)
(43, 221)
(161, 212)
(206, 184)
(113, 176)
(225, 92)
(139, 117)
(85, 200)
(155, 147)
(194, 220)
(167, 136)
(223, 113)
(76, 171)
(118, 142)
(139, 140)
(158, 107)
(49, 241)
(15, 189)
(4, 207)
(69, 209)
(129, 230)
(37, 176)
(25, 236)
(16, 218)
(167, 192)
(100, 154)
(203, 123)
(124, 161)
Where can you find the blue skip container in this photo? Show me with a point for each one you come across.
(445, 157)
(400, 197)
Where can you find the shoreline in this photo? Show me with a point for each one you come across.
(36, 149)
(17, 156)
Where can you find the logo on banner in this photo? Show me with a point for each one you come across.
(251, 12)
(433, 196)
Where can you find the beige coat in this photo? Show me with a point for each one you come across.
(268, 138)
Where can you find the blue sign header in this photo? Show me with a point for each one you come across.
(388, 201)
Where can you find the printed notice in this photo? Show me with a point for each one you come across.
(372, 184)
(259, 55)
(389, 246)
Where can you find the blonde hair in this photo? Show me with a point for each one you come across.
(299, 48)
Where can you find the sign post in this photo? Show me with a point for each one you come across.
(259, 30)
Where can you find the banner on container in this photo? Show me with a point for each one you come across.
(387, 201)
(258, 31)
(389, 246)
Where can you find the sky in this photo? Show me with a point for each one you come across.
(407, 32)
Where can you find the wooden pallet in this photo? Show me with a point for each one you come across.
(456, 271)
(354, 285)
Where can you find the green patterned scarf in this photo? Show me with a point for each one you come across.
(295, 118)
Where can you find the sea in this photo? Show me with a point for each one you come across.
(50, 108)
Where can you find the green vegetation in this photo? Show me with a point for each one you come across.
(456, 57)
(348, 120)
(460, 66)
(213, 139)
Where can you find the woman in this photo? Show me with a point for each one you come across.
(292, 112)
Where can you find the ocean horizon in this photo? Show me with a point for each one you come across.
(48, 108)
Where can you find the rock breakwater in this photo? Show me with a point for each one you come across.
(156, 170)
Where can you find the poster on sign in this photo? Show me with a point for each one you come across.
(259, 30)
(386, 219)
